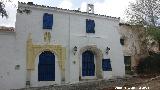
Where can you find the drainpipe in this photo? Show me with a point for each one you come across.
(69, 47)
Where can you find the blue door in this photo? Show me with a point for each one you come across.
(88, 66)
(46, 66)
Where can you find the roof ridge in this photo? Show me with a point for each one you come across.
(68, 10)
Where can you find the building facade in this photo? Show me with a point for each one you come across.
(54, 46)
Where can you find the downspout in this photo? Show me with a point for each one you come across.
(69, 49)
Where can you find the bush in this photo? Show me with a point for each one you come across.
(149, 65)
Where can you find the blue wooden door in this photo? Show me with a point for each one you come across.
(88, 66)
(46, 66)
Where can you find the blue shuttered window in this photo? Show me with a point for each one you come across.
(106, 65)
(90, 25)
(47, 21)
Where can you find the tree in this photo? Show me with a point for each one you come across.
(154, 33)
(3, 11)
(144, 12)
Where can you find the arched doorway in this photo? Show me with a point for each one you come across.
(88, 63)
(96, 66)
(46, 66)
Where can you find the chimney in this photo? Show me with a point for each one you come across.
(30, 3)
(79, 9)
(90, 8)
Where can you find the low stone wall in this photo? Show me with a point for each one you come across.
(84, 85)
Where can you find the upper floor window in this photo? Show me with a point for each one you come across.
(90, 25)
(47, 21)
(122, 41)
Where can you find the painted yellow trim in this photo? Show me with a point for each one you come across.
(47, 37)
(34, 50)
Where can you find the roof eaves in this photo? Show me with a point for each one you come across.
(74, 11)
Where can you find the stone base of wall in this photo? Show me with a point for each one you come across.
(84, 85)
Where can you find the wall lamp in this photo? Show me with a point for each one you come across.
(74, 50)
(107, 50)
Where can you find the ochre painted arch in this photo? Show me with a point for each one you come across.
(34, 50)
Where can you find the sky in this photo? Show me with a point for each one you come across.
(114, 8)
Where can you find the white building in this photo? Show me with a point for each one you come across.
(54, 46)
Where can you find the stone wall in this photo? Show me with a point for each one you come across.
(134, 42)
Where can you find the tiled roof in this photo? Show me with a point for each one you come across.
(6, 29)
(124, 24)
(127, 24)
(76, 11)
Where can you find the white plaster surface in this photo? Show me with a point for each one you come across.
(69, 30)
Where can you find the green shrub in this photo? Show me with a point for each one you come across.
(149, 65)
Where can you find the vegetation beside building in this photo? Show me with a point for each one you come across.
(150, 64)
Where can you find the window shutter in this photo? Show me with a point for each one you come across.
(90, 25)
(106, 65)
(47, 21)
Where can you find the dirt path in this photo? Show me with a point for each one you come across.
(152, 84)
(139, 83)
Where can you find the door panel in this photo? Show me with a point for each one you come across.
(88, 66)
(46, 66)
(127, 61)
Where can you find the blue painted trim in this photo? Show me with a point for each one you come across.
(90, 26)
(46, 66)
(106, 65)
(47, 21)
(88, 66)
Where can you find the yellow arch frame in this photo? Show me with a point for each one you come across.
(34, 50)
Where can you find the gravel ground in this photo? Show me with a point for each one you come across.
(150, 82)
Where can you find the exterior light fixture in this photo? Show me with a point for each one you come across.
(107, 50)
(74, 50)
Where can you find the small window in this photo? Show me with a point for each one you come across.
(90, 25)
(127, 60)
(106, 65)
(47, 21)
(122, 41)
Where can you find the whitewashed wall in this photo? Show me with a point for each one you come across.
(69, 30)
(10, 77)
(105, 35)
(33, 24)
